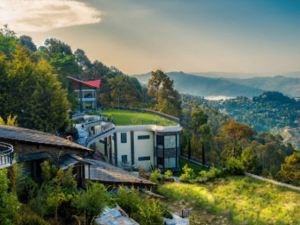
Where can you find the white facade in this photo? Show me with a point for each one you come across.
(135, 146)
(146, 146)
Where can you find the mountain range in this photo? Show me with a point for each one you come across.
(206, 85)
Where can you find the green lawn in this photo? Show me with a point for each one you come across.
(125, 117)
(234, 200)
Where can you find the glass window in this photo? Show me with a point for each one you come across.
(170, 141)
(123, 137)
(170, 162)
(160, 140)
(143, 137)
(124, 159)
(144, 158)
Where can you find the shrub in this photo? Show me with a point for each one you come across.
(66, 180)
(209, 175)
(9, 204)
(290, 169)
(188, 174)
(92, 201)
(145, 211)
(155, 176)
(168, 174)
(150, 212)
(128, 199)
(234, 166)
(26, 188)
(31, 219)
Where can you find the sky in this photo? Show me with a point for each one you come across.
(230, 36)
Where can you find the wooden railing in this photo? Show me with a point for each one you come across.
(6, 155)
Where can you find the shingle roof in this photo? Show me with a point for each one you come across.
(38, 137)
(106, 173)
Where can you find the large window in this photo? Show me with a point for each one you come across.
(123, 137)
(143, 137)
(170, 141)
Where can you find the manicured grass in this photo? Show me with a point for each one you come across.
(125, 117)
(241, 200)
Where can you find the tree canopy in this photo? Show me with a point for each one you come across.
(166, 98)
(30, 90)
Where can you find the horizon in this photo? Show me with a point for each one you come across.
(234, 37)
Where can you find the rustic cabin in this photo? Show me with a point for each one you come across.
(32, 147)
(29, 148)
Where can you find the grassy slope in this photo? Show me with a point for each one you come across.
(241, 200)
(123, 117)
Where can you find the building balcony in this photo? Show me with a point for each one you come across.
(6, 155)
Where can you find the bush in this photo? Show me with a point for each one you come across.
(168, 174)
(92, 201)
(209, 175)
(26, 188)
(150, 213)
(155, 176)
(290, 169)
(9, 204)
(145, 211)
(188, 174)
(128, 199)
(234, 166)
(31, 219)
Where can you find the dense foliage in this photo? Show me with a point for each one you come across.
(229, 143)
(56, 199)
(165, 98)
(29, 88)
(265, 112)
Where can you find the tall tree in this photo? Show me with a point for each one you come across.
(201, 133)
(32, 93)
(290, 169)
(166, 98)
(82, 60)
(26, 41)
(237, 133)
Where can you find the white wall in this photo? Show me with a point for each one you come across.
(124, 148)
(143, 148)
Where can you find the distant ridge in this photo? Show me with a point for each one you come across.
(213, 84)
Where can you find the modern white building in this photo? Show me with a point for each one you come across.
(135, 146)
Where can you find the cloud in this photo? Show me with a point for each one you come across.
(44, 15)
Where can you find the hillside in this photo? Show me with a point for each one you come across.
(287, 85)
(208, 85)
(234, 200)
